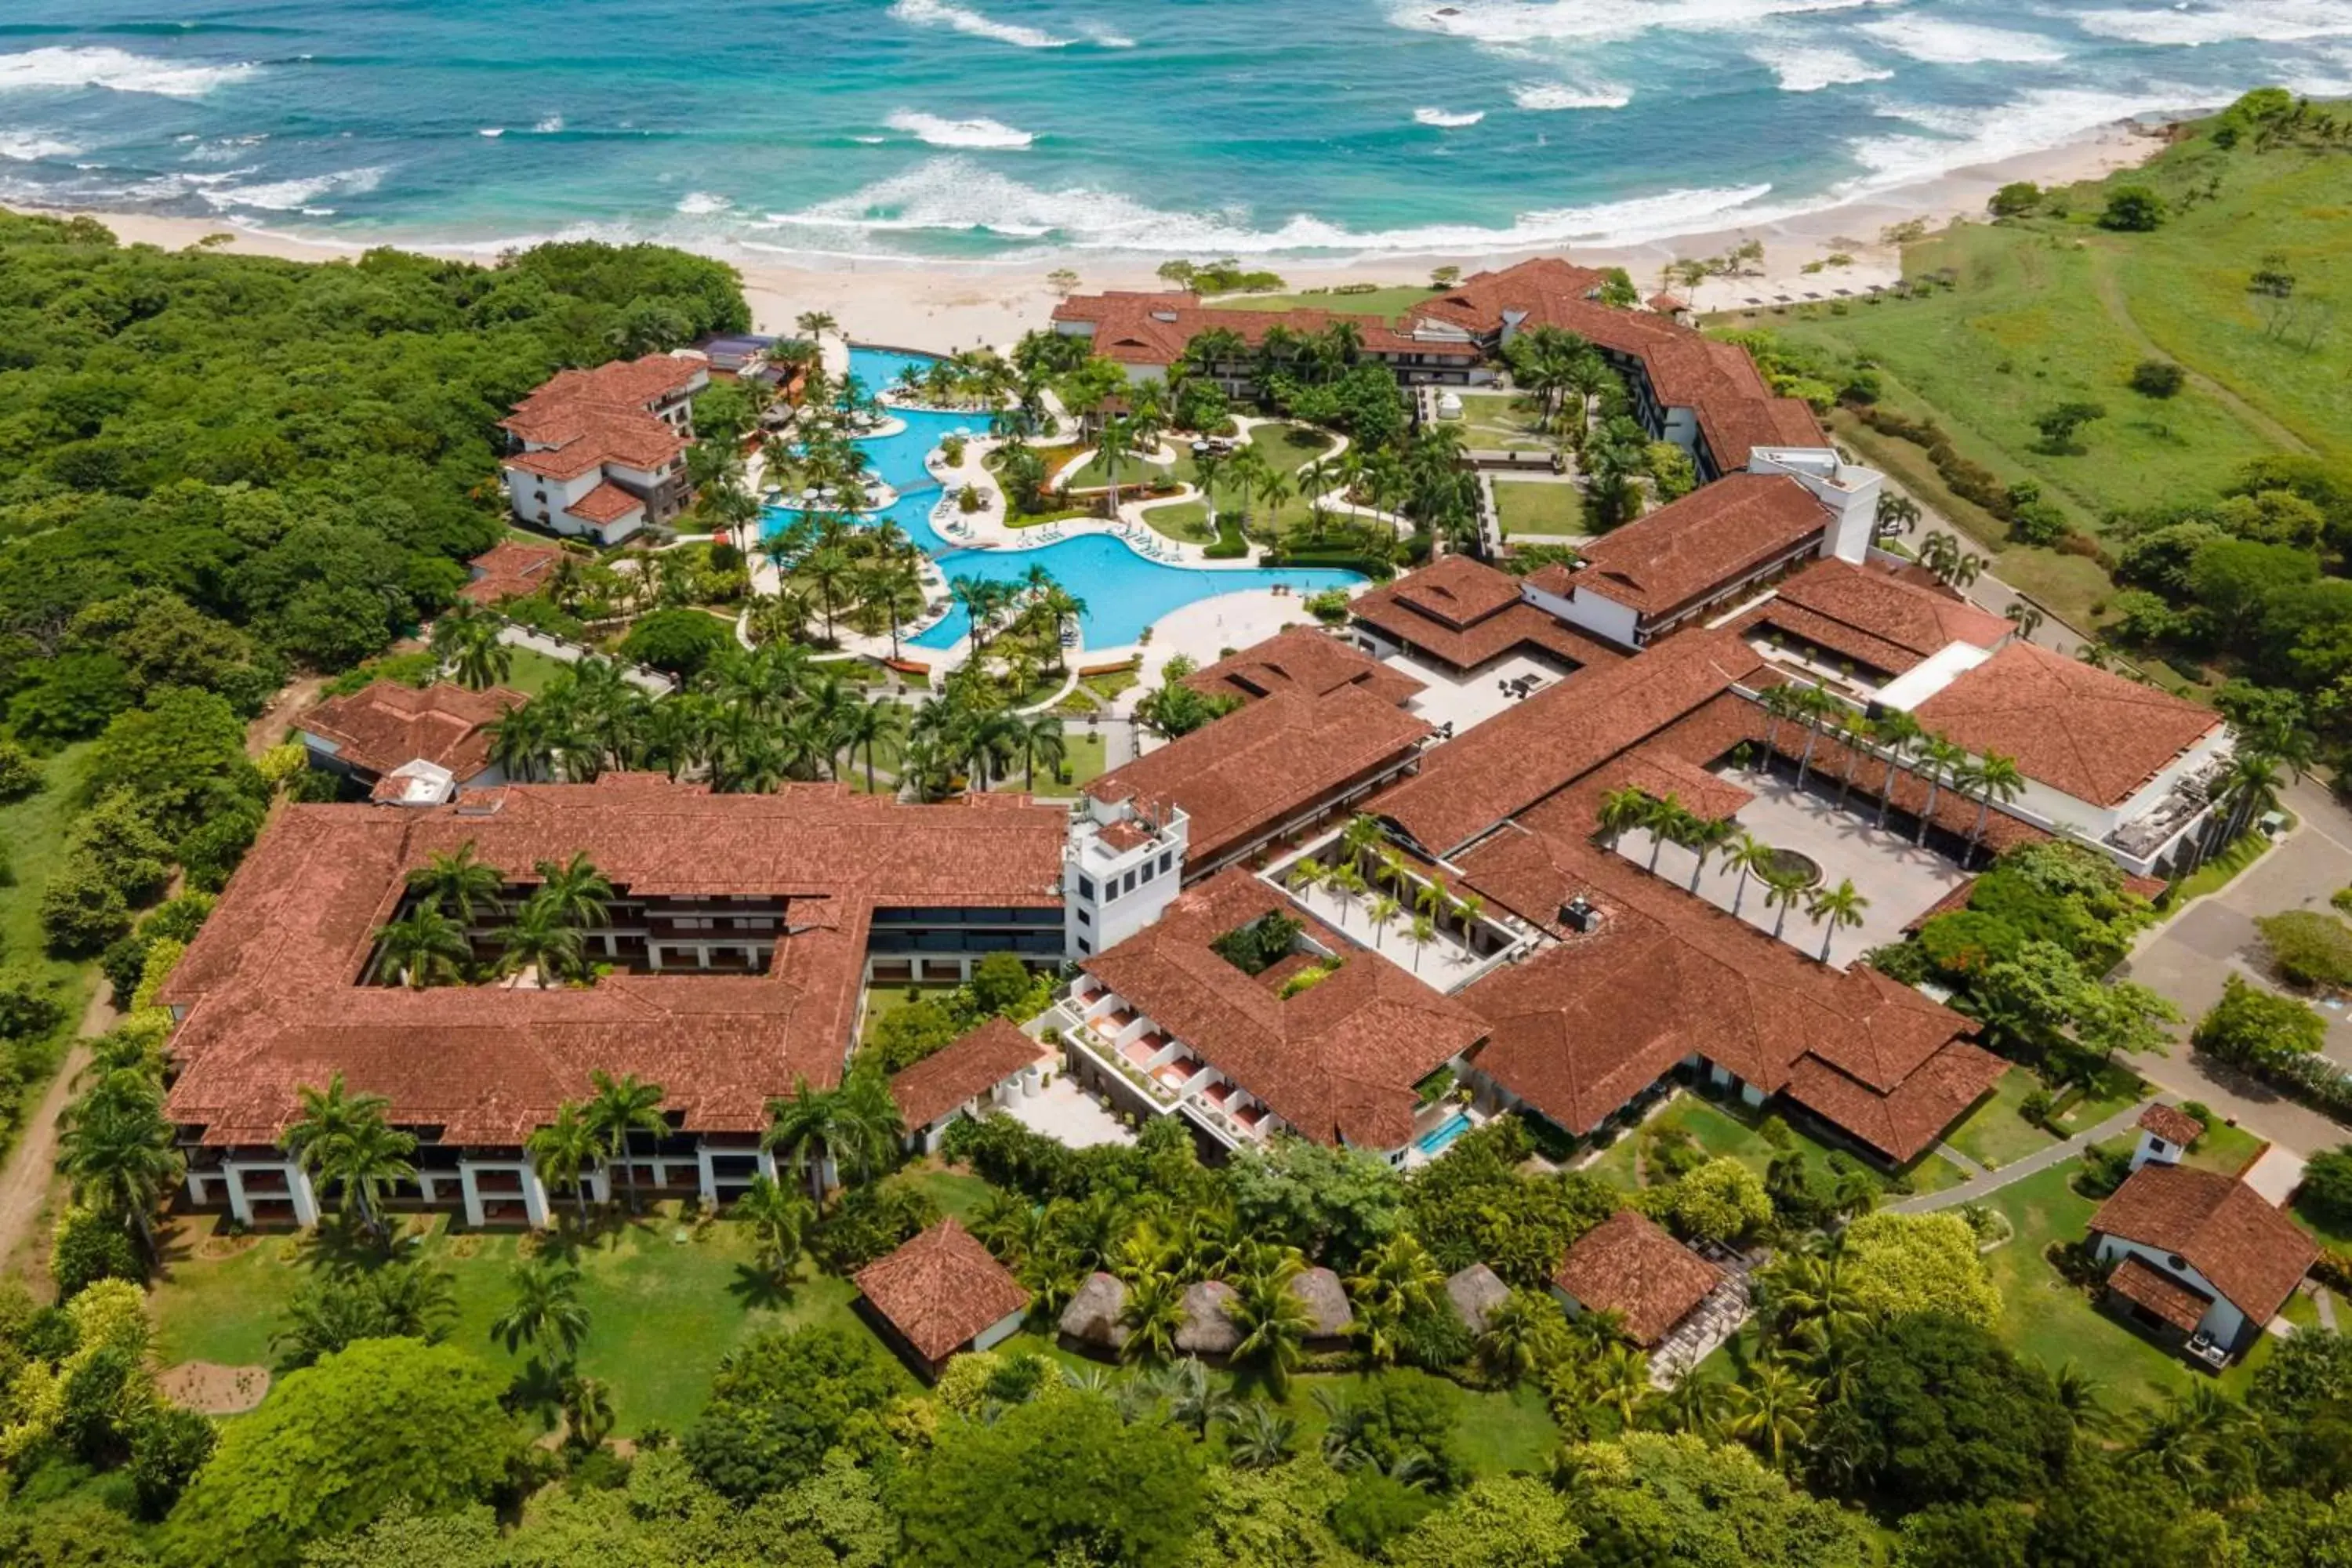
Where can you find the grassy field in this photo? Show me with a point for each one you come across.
(33, 844)
(1531, 507)
(1083, 758)
(1719, 1130)
(1390, 302)
(2053, 309)
(1994, 1134)
(532, 672)
(665, 1304)
(1503, 421)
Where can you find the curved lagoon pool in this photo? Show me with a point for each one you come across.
(1124, 592)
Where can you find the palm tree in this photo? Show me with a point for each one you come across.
(575, 891)
(2248, 788)
(618, 1107)
(1620, 1379)
(1395, 1280)
(779, 1219)
(1779, 703)
(1702, 837)
(1833, 909)
(853, 1127)
(1750, 856)
(456, 883)
(1274, 1321)
(1382, 912)
(1897, 734)
(1772, 1408)
(1783, 892)
(465, 641)
(2086, 1407)
(1622, 810)
(340, 1137)
(118, 1153)
(1995, 776)
(539, 942)
(1362, 838)
(1259, 1437)
(1522, 1331)
(1942, 757)
(561, 1150)
(587, 1412)
(1346, 884)
(1815, 705)
(1042, 739)
(546, 1311)
(425, 947)
(1307, 874)
(1420, 933)
(1667, 819)
(1153, 1311)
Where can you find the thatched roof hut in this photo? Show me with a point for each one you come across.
(1091, 1320)
(1474, 1292)
(1327, 1303)
(1208, 1328)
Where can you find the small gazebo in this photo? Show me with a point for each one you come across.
(1476, 1292)
(1208, 1328)
(1091, 1321)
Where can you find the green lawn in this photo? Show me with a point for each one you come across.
(664, 1305)
(1185, 521)
(1503, 421)
(1720, 1129)
(532, 670)
(2222, 869)
(959, 1194)
(1531, 507)
(2119, 1088)
(883, 1000)
(33, 846)
(1286, 449)
(1994, 1134)
(1083, 758)
(1390, 302)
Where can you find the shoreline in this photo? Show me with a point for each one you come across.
(953, 305)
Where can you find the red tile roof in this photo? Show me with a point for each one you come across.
(385, 723)
(1542, 745)
(1339, 1059)
(1521, 626)
(2086, 732)
(967, 1067)
(1304, 660)
(509, 570)
(271, 992)
(1457, 591)
(942, 1290)
(2171, 1124)
(2174, 1301)
(1529, 294)
(1153, 330)
(1689, 550)
(608, 502)
(1585, 1025)
(581, 419)
(1626, 1265)
(1266, 763)
(1874, 617)
(2247, 1249)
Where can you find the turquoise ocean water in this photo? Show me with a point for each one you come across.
(1008, 129)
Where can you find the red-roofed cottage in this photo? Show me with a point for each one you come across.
(602, 453)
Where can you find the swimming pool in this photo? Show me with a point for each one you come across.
(1440, 1137)
(1124, 592)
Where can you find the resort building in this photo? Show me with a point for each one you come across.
(1627, 1265)
(995, 1064)
(510, 570)
(1462, 615)
(1150, 334)
(1247, 1016)
(1305, 661)
(941, 1294)
(733, 957)
(2198, 1259)
(1854, 628)
(406, 745)
(602, 453)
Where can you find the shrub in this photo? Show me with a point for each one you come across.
(86, 1247)
(2251, 1028)
(1722, 1200)
(2038, 522)
(19, 774)
(677, 641)
(2132, 209)
(2309, 948)
(2157, 378)
(2015, 199)
(1329, 607)
(2327, 1192)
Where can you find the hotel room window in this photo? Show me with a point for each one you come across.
(1086, 886)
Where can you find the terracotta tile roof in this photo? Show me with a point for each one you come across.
(271, 986)
(2171, 1124)
(1876, 617)
(1257, 767)
(608, 502)
(509, 570)
(1692, 549)
(942, 1290)
(1628, 1266)
(1669, 303)
(1533, 291)
(1457, 591)
(1659, 773)
(2090, 732)
(1542, 745)
(385, 723)
(2174, 1301)
(2247, 1249)
(1585, 1025)
(1154, 329)
(1464, 613)
(583, 419)
(1339, 1059)
(969, 1066)
(1302, 659)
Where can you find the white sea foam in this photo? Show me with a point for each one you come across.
(1943, 43)
(953, 195)
(702, 204)
(2269, 22)
(1587, 94)
(1966, 138)
(940, 132)
(1446, 119)
(492, 131)
(115, 69)
(296, 195)
(1807, 67)
(1590, 21)
(964, 20)
(1104, 38)
(549, 126)
(25, 146)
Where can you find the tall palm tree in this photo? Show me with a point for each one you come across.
(1667, 820)
(1382, 912)
(1898, 731)
(1783, 892)
(1522, 1332)
(458, 883)
(339, 1137)
(870, 724)
(1995, 778)
(1307, 873)
(1395, 1280)
(545, 1312)
(2249, 787)
(1772, 1410)
(467, 643)
(1042, 739)
(1420, 933)
(1750, 856)
(1362, 838)
(1347, 885)
(118, 1153)
(1815, 706)
(1272, 1320)
(1152, 1313)
(575, 891)
(618, 1107)
(855, 1127)
(1703, 836)
(1621, 810)
(779, 1216)
(538, 940)
(424, 947)
(1833, 909)
(561, 1150)
(1942, 757)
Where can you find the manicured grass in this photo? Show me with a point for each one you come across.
(662, 1311)
(2226, 1149)
(1721, 1130)
(1499, 1432)
(2222, 870)
(1391, 302)
(959, 1194)
(1994, 1134)
(1286, 449)
(1532, 507)
(1084, 758)
(1503, 421)
(2118, 1089)
(33, 841)
(1108, 684)
(532, 672)
(881, 1001)
(1185, 521)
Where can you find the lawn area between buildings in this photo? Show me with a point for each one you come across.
(1532, 507)
(33, 833)
(1286, 449)
(1994, 1134)
(1083, 758)
(1720, 1129)
(1391, 302)
(1503, 422)
(532, 672)
(665, 1302)
(881, 1001)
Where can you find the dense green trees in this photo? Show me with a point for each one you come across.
(784, 1401)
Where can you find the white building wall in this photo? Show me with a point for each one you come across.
(2223, 1320)
(1603, 617)
(997, 1332)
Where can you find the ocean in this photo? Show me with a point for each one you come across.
(1012, 131)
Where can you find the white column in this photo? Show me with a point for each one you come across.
(306, 1198)
(472, 1195)
(767, 1165)
(600, 1184)
(534, 1198)
(240, 1208)
(706, 1177)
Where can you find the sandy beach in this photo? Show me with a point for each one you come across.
(923, 306)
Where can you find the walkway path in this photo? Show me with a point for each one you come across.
(31, 1170)
(1982, 1187)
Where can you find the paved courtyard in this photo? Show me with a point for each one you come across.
(1899, 879)
(1467, 700)
(1064, 1111)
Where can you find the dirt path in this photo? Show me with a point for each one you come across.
(269, 727)
(2111, 297)
(26, 1179)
